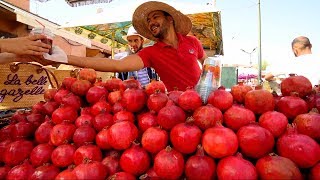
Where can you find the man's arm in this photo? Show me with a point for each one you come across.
(203, 58)
(129, 63)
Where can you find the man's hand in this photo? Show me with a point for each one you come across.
(58, 55)
(28, 45)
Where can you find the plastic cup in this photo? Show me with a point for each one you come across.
(47, 33)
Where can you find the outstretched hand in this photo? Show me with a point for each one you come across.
(58, 55)
(28, 45)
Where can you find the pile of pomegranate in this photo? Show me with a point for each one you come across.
(89, 129)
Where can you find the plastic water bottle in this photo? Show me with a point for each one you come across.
(210, 78)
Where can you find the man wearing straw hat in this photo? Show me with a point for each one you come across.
(174, 56)
(135, 43)
(28, 45)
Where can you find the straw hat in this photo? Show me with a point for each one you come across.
(182, 22)
(132, 32)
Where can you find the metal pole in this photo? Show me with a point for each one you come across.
(259, 45)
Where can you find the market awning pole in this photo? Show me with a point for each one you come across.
(259, 45)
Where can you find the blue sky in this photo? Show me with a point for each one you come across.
(282, 21)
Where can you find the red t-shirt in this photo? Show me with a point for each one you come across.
(176, 67)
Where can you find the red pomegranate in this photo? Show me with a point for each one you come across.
(135, 160)
(174, 95)
(60, 94)
(6, 131)
(50, 107)
(49, 94)
(116, 133)
(185, 137)
(118, 106)
(157, 101)
(72, 100)
(207, 116)
(64, 113)
(200, 166)
(66, 174)
(123, 116)
(255, 141)
(274, 121)
(87, 153)
(299, 148)
(219, 141)
(259, 101)
(292, 106)
(17, 151)
(102, 139)
(132, 83)
(150, 174)
(80, 87)
(19, 115)
(238, 116)
(239, 91)
(122, 176)
(111, 161)
(22, 130)
(38, 107)
(154, 139)
(22, 171)
(90, 170)
(153, 86)
(114, 96)
(102, 120)
(113, 84)
(146, 120)
(88, 74)
(190, 100)
(3, 146)
(100, 107)
(84, 135)
(309, 124)
(134, 100)
(84, 120)
(315, 172)
(235, 167)
(62, 133)
(96, 93)
(67, 82)
(221, 99)
(299, 85)
(42, 134)
(169, 164)
(277, 167)
(62, 156)
(41, 154)
(170, 115)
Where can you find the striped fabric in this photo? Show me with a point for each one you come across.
(143, 76)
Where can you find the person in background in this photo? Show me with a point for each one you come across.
(305, 64)
(174, 56)
(135, 43)
(12, 48)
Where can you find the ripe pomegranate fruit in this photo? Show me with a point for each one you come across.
(88, 74)
(157, 101)
(275, 122)
(134, 100)
(116, 133)
(309, 124)
(221, 99)
(170, 115)
(207, 116)
(154, 139)
(292, 106)
(239, 92)
(153, 86)
(259, 101)
(238, 116)
(299, 85)
(190, 100)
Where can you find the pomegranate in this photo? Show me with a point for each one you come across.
(135, 160)
(235, 167)
(80, 87)
(111, 161)
(60, 94)
(174, 95)
(42, 134)
(185, 137)
(122, 176)
(87, 152)
(23, 130)
(62, 133)
(169, 164)
(219, 141)
(35, 119)
(292, 106)
(147, 120)
(46, 171)
(299, 148)
(315, 172)
(200, 166)
(309, 124)
(154, 139)
(116, 133)
(38, 107)
(96, 93)
(17, 151)
(114, 96)
(239, 92)
(90, 170)
(102, 139)
(123, 116)
(221, 99)
(41, 154)
(153, 86)
(114, 84)
(49, 94)
(62, 156)
(67, 82)
(190, 100)
(100, 107)
(6, 131)
(157, 101)
(3, 146)
(238, 116)
(170, 116)
(255, 141)
(22, 171)
(277, 167)
(4, 171)
(296, 84)
(150, 174)
(84, 135)
(84, 120)
(117, 107)
(50, 107)
(207, 116)
(132, 83)
(102, 120)
(259, 101)
(72, 100)
(19, 115)
(88, 74)
(66, 174)
(134, 100)
(64, 113)
(274, 121)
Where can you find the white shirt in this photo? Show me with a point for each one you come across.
(307, 65)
